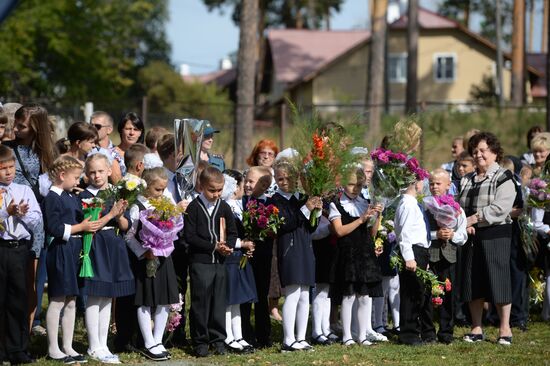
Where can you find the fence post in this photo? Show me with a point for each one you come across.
(144, 109)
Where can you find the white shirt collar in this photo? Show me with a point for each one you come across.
(354, 206)
(57, 190)
(288, 196)
(93, 190)
(206, 202)
(236, 207)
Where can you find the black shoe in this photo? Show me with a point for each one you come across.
(445, 338)
(153, 356)
(472, 338)
(67, 360)
(201, 351)
(248, 348)
(20, 358)
(520, 325)
(80, 358)
(505, 341)
(429, 340)
(219, 348)
(321, 342)
(290, 348)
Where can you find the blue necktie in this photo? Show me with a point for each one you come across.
(426, 222)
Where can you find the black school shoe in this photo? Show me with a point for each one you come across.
(153, 356)
(67, 360)
(319, 341)
(80, 358)
(20, 358)
(201, 351)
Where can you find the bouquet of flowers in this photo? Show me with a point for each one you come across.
(539, 194)
(92, 208)
(444, 208)
(259, 221)
(393, 172)
(128, 189)
(438, 288)
(160, 227)
(174, 318)
(538, 285)
(385, 233)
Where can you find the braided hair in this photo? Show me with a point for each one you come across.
(62, 164)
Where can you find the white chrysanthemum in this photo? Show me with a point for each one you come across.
(151, 161)
(229, 187)
(359, 150)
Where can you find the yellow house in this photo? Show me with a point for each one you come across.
(328, 69)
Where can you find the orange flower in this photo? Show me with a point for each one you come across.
(318, 145)
(275, 210)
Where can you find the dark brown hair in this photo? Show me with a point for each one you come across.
(166, 146)
(490, 139)
(210, 174)
(81, 131)
(135, 154)
(153, 136)
(531, 133)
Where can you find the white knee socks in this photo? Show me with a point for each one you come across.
(321, 311)
(364, 319)
(295, 314)
(233, 327)
(346, 310)
(394, 299)
(152, 337)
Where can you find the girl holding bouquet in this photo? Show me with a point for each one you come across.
(161, 290)
(295, 254)
(241, 286)
(64, 223)
(357, 271)
(112, 275)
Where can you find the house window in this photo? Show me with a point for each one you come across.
(445, 67)
(397, 68)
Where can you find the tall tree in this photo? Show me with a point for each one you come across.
(412, 57)
(499, 63)
(70, 50)
(456, 9)
(547, 30)
(545, 4)
(246, 70)
(375, 80)
(518, 53)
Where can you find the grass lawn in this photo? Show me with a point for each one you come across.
(528, 348)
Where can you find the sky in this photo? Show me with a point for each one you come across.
(201, 38)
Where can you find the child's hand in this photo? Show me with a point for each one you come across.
(313, 203)
(223, 249)
(410, 265)
(149, 255)
(471, 230)
(248, 245)
(183, 204)
(90, 226)
(378, 207)
(18, 210)
(445, 234)
(118, 208)
(367, 214)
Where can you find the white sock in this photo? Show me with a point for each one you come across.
(320, 320)
(160, 319)
(395, 300)
(354, 320)
(290, 308)
(52, 326)
(236, 324)
(228, 326)
(364, 311)
(302, 315)
(346, 310)
(144, 321)
(91, 318)
(67, 326)
(104, 322)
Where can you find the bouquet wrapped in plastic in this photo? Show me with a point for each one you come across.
(539, 193)
(445, 210)
(92, 208)
(160, 227)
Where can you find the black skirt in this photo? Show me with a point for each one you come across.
(159, 290)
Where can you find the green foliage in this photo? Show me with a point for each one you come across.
(70, 50)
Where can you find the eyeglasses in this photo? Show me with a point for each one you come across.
(98, 126)
(267, 154)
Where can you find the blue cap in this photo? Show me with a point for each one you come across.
(209, 130)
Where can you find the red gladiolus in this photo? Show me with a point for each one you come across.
(448, 286)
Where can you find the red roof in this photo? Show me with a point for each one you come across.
(427, 19)
(221, 78)
(298, 53)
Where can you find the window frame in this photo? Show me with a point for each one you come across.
(401, 56)
(435, 65)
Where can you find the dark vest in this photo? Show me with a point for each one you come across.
(438, 248)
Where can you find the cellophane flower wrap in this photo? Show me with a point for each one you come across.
(324, 156)
(537, 198)
(437, 288)
(174, 318)
(160, 227)
(128, 189)
(91, 207)
(260, 221)
(539, 193)
(444, 208)
(393, 173)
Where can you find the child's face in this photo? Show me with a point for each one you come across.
(439, 184)
(156, 188)
(540, 156)
(255, 183)
(7, 172)
(465, 167)
(239, 192)
(212, 190)
(70, 178)
(457, 148)
(354, 186)
(285, 181)
(368, 169)
(98, 172)
(85, 146)
(23, 130)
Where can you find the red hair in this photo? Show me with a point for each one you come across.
(262, 144)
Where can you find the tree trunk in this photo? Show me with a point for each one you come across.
(376, 66)
(518, 50)
(246, 66)
(467, 14)
(531, 23)
(412, 57)
(262, 45)
(498, 26)
(544, 45)
(547, 38)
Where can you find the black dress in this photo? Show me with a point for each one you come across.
(63, 258)
(324, 250)
(357, 270)
(113, 276)
(296, 260)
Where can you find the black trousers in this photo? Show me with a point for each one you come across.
(415, 311)
(208, 303)
(181, 265)
(14, 299)
(261, 266)
(518, 272)
(443, 270)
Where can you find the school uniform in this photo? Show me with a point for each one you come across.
(357, 270)
(113, 276)
(62, 210)
(15, 252)
(261, 268)
(208, 277)
(296, 260)
(443, 265)
(411, 229)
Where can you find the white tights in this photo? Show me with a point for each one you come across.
(152, 336)
(98, 316)
(390, 286)
(68, 306)
(233, 326)
(364, 310)
(320, 311)
(295, 313)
